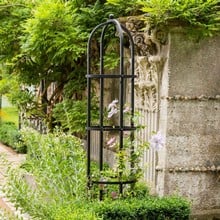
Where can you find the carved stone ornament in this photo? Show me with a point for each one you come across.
(149, 43)
(146, 84)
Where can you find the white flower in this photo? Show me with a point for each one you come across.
(113, 104)
(157, 141)
(112, 108)
(112, 112)
(127, 109)
(111, 142)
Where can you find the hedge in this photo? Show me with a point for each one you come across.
(10, 136)
(153, 208)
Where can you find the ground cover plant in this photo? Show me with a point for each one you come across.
(9, 131)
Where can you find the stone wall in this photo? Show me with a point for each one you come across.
(177, 90)
(188, 92)
(190, 119)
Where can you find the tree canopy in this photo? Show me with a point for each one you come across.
(44, 41)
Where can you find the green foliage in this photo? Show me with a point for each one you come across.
(10, 135)
(51, 185)
(53, 176)
(50, 45)
(7, 82)
(71, 115)
(22, 99)
(49, 152)
(151, 208)
(46, 40)
(76, 213)
(201, 15)
(51, 41)
(92, 13)
(140, 191)
(125, 8)
(53, 49)
(12, 14)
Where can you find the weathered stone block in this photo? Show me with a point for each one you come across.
(194, 66)
(190, 118)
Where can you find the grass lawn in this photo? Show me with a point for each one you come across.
(9, 114)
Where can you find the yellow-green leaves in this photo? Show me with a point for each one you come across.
(202, 15)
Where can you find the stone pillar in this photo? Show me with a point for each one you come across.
(178, 88)
(151, 53)
(190, 117)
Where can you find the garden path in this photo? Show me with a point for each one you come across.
(13, 159)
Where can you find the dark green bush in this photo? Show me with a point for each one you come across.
(10, 135)
(169, 208)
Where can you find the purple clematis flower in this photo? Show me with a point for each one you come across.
(157, 141)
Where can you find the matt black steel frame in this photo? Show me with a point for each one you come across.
(121, 32)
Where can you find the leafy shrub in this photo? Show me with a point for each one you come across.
(74, 213)
(10, 135)
(54, 175)
(71, 115)
(146, 208)
(202, 16)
